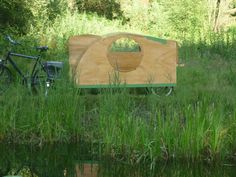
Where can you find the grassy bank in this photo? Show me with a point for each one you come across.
(197, 122)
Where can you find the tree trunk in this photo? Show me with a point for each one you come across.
(218, 13)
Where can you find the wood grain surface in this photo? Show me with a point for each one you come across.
(92, 63)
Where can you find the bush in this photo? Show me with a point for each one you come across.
(14, 14)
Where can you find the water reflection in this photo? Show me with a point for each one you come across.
(86, 170)
(64, 160)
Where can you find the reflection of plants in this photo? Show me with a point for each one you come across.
(49, 160)
(23, 172)
(62, 160)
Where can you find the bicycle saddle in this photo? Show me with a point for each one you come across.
(42, 48)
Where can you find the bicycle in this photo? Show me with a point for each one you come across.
(43, 74)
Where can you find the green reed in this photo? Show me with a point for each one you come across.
(196, 122)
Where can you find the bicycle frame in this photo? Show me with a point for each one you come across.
(19, 71)
(42, 74)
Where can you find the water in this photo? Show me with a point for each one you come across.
(66, 160)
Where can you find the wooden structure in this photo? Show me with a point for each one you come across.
(94, 65)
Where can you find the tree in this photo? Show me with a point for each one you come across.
(14, 14)
(108, 8)
(221, 13)
(185, 16)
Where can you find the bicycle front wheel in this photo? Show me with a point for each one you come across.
(5, 78)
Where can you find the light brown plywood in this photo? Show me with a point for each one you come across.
(155, 63)
(77, 46)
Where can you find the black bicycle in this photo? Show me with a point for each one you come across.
(42, 75)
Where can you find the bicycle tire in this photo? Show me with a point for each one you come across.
(5, 78)
(40, 82)
(160, 91)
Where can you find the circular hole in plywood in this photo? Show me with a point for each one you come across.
(125, 54)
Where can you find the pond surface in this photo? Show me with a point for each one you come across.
(66, 160)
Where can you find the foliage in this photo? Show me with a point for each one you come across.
(185, 16)
(179, 18)
(14, 14)
(108, 8)
(149, 18)
(45, 11)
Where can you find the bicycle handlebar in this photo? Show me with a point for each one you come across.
(12, 41)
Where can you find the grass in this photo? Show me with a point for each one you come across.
(196, 123)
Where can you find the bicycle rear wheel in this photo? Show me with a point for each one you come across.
(160, 91)
(5, 78)
(40, 82)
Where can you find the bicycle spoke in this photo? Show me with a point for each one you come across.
(40, 82)
(160, 91)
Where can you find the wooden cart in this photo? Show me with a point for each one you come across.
(94, 65)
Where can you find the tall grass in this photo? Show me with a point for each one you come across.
(192, 131)
(196, 122)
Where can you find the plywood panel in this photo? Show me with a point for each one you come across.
(77, 46)
(97, 65)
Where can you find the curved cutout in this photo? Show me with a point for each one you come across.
(124, 54)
